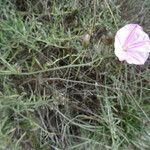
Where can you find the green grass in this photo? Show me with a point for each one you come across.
(61, 91)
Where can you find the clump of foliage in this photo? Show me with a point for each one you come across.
(59, 89)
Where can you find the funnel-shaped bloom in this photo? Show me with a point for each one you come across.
(132, 44)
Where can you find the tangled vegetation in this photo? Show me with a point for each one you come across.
(61, 86)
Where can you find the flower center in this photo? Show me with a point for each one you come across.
(125, 48)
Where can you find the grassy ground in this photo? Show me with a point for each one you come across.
(61, 86)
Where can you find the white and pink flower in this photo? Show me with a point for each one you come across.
(132, 44)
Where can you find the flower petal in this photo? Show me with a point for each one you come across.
(137, 58)
(132, 44)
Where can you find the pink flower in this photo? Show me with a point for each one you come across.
(132, 44)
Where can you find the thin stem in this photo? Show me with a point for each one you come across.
(94, 14)
(115, 22)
